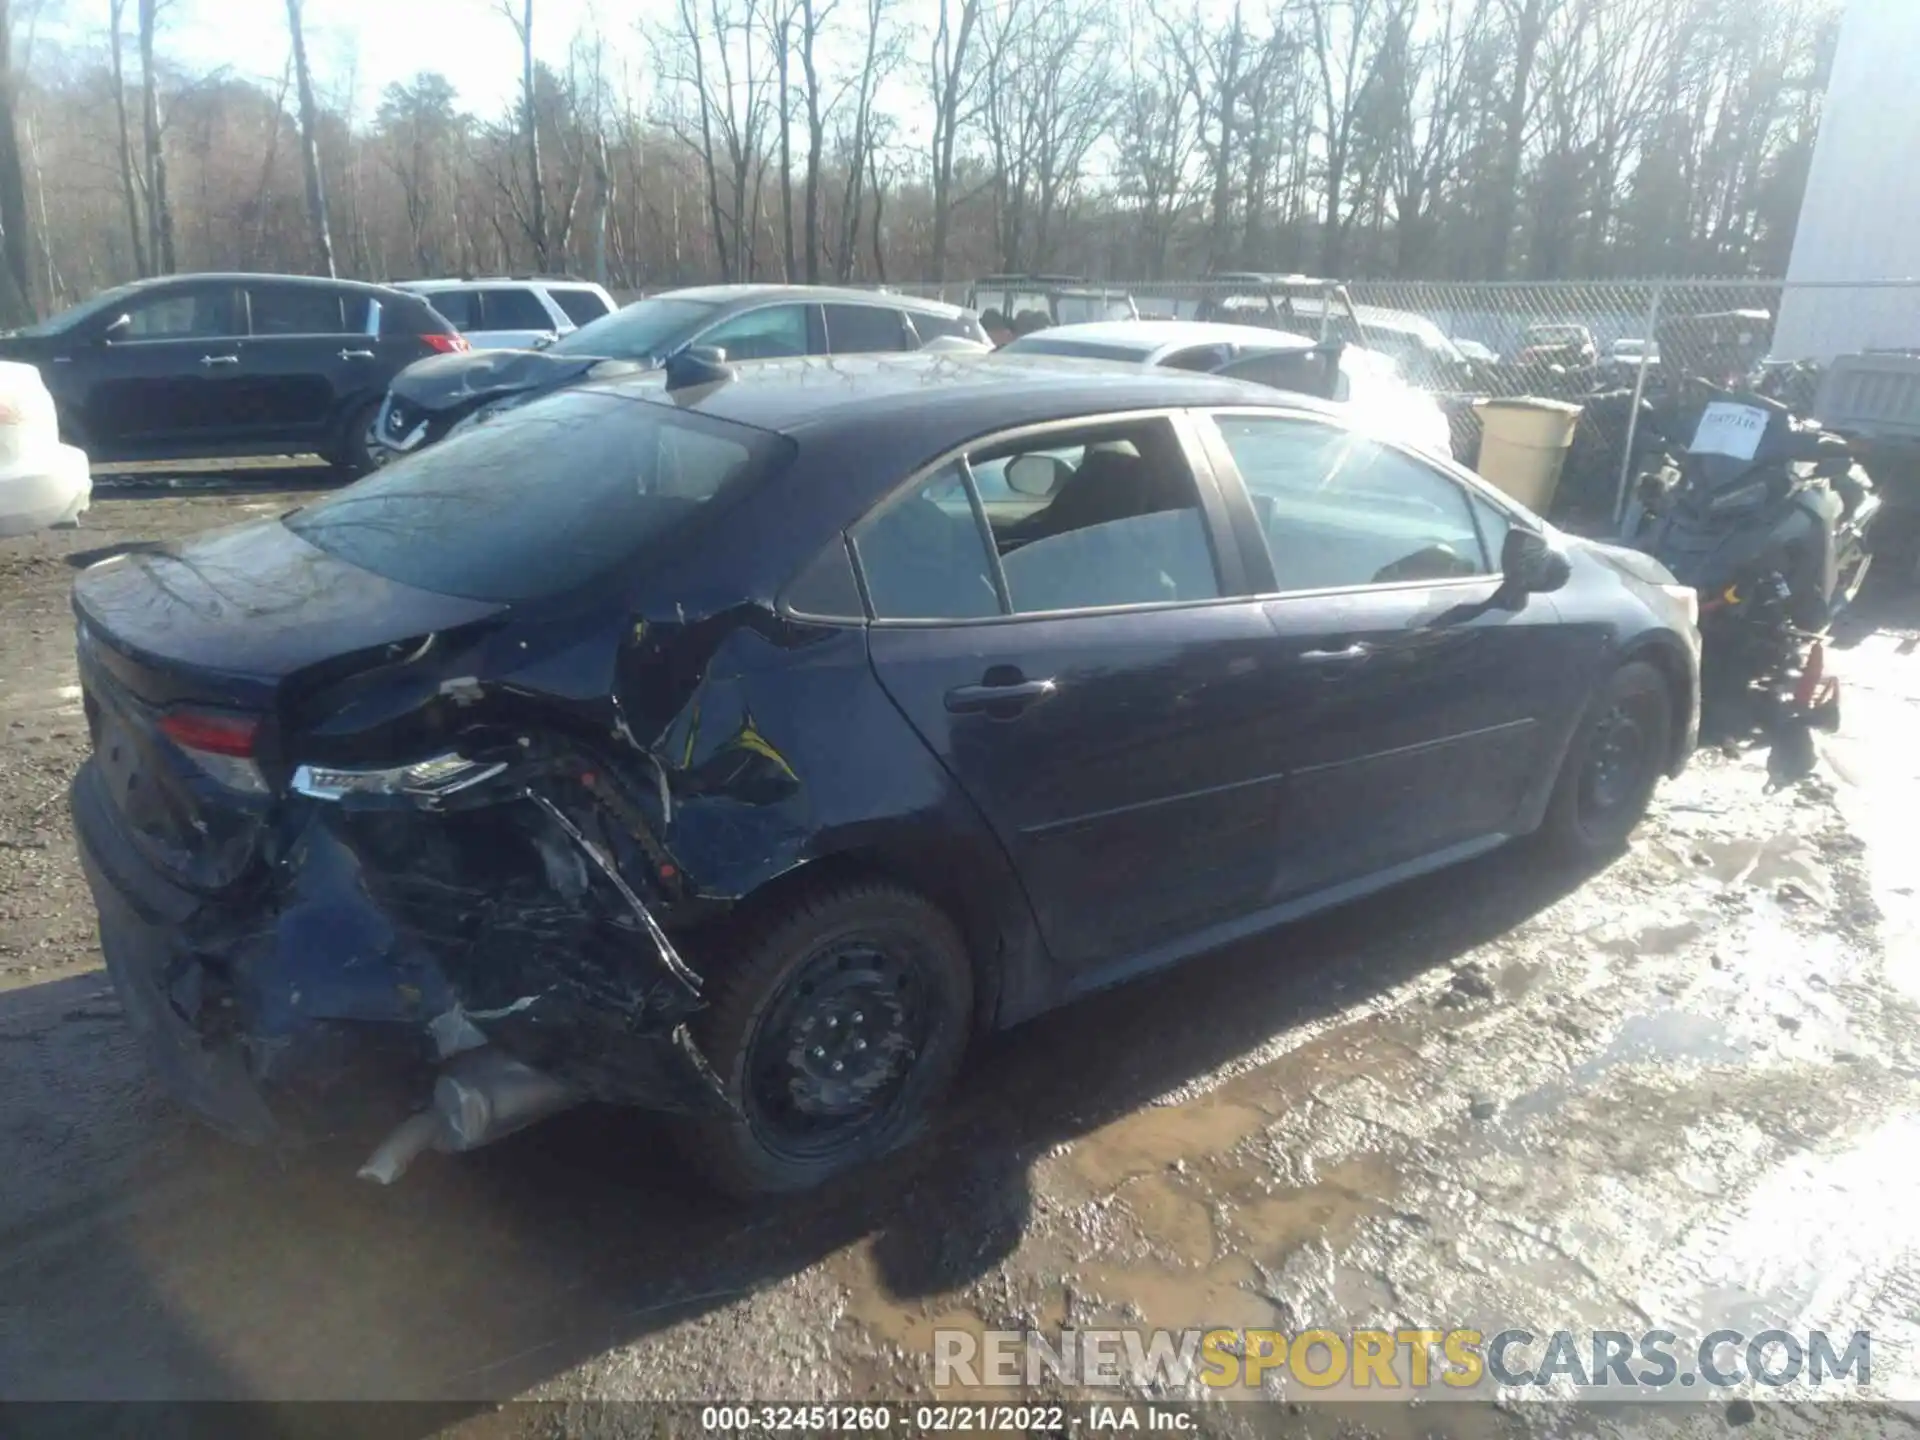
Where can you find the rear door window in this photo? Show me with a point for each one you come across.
(579, 306)
(202, 312)
(864, 329)
(460, 308)
(543, 498)
(510, 309)
(296, 310)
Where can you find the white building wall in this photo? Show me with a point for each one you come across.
(1861, 216)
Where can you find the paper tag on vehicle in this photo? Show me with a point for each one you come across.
(1729, 429)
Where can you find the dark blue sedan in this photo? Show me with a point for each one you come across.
(740, 742)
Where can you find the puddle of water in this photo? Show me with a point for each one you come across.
(1152, 1139)
(1172, 1218)
(1222, 1296)
(1659, 1036)
(1332, 1209)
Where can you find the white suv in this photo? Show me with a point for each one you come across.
(513, 314)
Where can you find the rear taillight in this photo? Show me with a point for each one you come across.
(220, 742)
(445, 344)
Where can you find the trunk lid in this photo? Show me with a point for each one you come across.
(187, 655)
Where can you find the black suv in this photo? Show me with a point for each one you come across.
(743, 322)
(188, 366)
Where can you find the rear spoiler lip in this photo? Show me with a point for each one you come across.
(160, 680)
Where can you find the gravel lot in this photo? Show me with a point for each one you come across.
(1685, 1093)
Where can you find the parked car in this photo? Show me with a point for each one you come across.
(188, 366)
(1569, 346)
(1367, 381)
(740, 741)
(747, 322)
(1625, 358)
(517, 313)
(1323, 310)
(1062, 299)
(42, 482)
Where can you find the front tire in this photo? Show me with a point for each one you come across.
(1617, 756)
(834, 1027)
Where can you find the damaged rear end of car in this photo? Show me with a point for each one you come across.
(373, 846)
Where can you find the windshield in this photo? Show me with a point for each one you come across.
(641, 331)
(74, 314)
(543, 499)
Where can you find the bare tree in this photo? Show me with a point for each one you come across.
(310, 145)
(1344, 53)
(16, 276)
(1216, 66)
(418, 122)
(129, 182)
(813, 16)
(521, 19)
(952, 82)
(714, 48)
(882, 54)
(1375, 136)
(159, 207)
(1528, 21)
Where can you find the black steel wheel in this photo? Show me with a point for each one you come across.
(1617, 756)
(834, 1027)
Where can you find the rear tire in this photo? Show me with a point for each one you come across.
(358, 452)
(834, 1026)
(1617, 756)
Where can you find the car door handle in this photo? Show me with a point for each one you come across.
(356, 354)
(1015, 696)
(1355, 651)
(219, 359)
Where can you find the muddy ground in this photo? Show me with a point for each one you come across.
(1684, 1094)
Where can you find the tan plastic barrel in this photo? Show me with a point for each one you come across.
(1523, 443)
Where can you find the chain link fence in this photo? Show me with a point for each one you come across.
(1614, 347)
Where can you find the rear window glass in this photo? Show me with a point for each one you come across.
(542, 499)
(296, 310)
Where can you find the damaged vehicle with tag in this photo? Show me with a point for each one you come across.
(740, 743)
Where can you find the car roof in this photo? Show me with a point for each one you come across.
(952, 397)
(807, 294)
(422, 287)
(1152, 338)
(254, 277)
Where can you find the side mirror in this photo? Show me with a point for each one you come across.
(1530, 566)
(541, 342)
(118, 328)
(697, 365)
(1034, 476)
